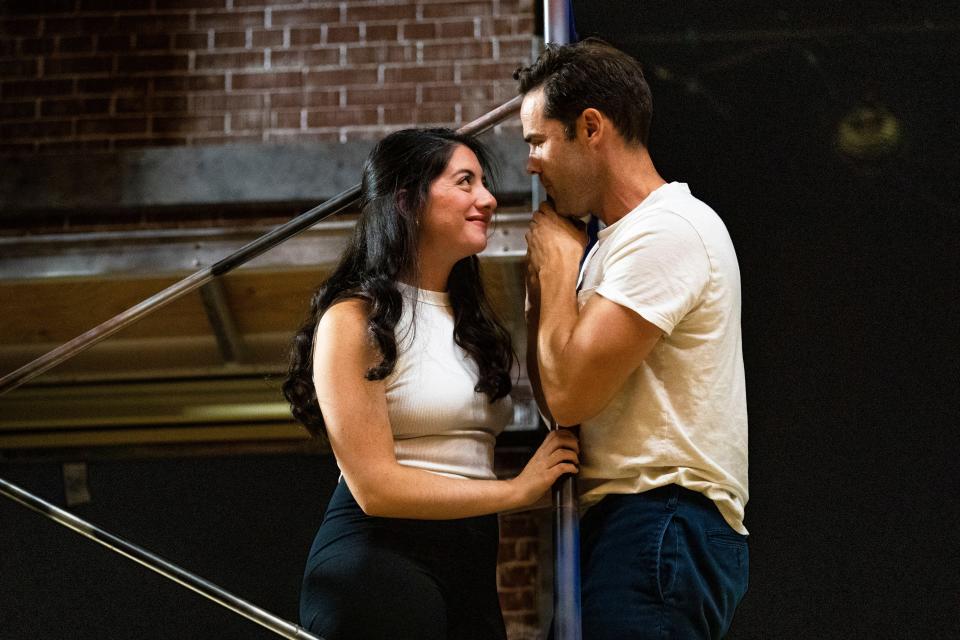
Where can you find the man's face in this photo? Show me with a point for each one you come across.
(561, 164)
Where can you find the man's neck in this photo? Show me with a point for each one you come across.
(631, 179)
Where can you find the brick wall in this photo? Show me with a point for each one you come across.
(92, 75)
(518, 573)
(101, 75)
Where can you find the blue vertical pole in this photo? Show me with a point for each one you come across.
(558, 29)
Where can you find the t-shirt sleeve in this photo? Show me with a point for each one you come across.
(658, 268)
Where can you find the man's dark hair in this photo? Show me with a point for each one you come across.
(591, 73)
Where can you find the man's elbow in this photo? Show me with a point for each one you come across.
(569, 410)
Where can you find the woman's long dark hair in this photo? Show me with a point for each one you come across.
(395, 188)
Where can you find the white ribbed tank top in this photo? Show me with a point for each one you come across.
(439, 422)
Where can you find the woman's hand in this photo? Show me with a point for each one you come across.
(557, 455)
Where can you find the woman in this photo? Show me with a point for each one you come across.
(405, 369)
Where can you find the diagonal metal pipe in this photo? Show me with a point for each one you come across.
(196, 280)
(156, 563)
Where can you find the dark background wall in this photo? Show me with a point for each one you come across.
(850, 293)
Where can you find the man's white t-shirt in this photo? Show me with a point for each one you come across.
(681, 417)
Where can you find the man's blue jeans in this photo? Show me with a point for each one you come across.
(662, 564)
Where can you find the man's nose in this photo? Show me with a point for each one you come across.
(533, 164)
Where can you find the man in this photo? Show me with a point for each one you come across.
(643, 350)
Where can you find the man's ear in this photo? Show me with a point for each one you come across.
(592, 123)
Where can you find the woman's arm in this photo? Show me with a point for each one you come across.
(355, 412)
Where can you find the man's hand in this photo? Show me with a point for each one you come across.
(553, 242)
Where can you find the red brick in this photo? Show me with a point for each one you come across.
(304, 58)
(75, 106)
(19, 27)
(266, 38)
(192, 4)
(381, 53)
(418, 31)
(111, 5)
(519, 525)
(230, 39)
(232, 61)
(442, 93)
(305, 37)
(307, 99)
(515, 49)
(419, 73)
(151, 104)
(23, 68)
(248, 121)
(523, 549)
(75, 44)
(262, 3)
(519, 600)
(487, 71)
(456, 9)
(150, 62)
(456, 29)
(165, 23)
(36, 46)
(17, 148)
(192, 41)
(269, 80)
(113, 43)
(77, 66)
(225, 102)
(523, 620)
(111, 125)
(73, 146)
(178, 84)
(524, 25)
(463, 50)
(78, 25)
(286, 119)
(381, 32)
(18, 110)
(299, 17)
(198, 124)
(378, 11)
(232, 20)
(431, 114)
(320, 99)
(152, 41)
(515, 6)
(343, 33)
(342, 117)
(113, 84)
(378, 96)
(30, 88)
(470, 111)
(332, 77)
(516, 575)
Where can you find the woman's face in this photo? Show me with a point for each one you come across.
(458, 212)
